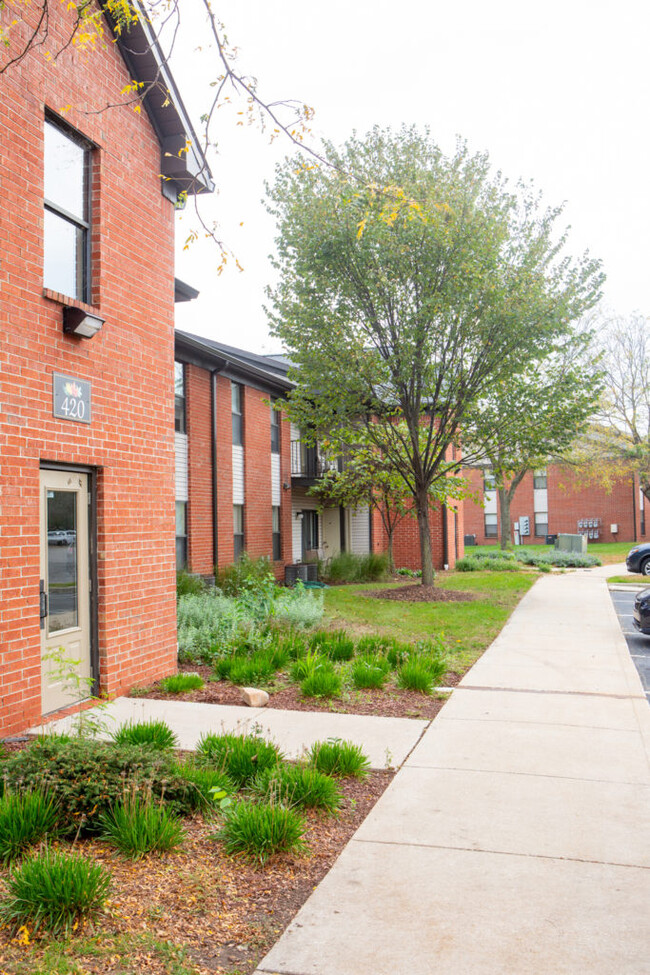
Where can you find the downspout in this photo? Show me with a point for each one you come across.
(445, 537)
(634, 498)
(215, 498)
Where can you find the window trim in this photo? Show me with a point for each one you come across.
(180, 422)
(276, 533)
(237, 415)
(239, 537)
(77, 222)
(181, 538)
(493, 526)
(275, 427)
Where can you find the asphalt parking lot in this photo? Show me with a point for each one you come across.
(638, 645)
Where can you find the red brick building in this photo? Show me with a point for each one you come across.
(86, 352)
(555, 500)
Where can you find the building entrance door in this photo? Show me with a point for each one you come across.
(65, 589)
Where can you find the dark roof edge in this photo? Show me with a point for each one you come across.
(220, 360)
(183, 163)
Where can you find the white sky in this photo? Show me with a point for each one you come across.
(556, 92)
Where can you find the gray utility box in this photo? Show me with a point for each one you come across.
(571, 543)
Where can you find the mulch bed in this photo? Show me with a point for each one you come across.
(225, 911)
(422, 594)
(391, 702)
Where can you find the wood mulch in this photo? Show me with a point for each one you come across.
(418, 593)
(224, 912)
(391, 702)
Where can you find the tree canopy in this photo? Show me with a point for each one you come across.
(410, 282)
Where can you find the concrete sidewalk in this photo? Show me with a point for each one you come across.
(515, 839)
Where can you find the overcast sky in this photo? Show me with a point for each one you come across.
(556, 92)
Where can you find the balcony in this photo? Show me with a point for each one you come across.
(308, 463)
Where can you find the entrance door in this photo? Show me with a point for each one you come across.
(65, 589)
(331, 532)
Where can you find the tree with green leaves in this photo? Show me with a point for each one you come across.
(410, 282)
(533, 419)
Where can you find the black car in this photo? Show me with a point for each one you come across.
(638, 559)
(641, 615)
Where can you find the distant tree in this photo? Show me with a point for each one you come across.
(409, 284)
(532, 419)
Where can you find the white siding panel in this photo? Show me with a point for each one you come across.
(181, 466)
(296, 532)
(490, 502)
(359, 540)
(540, 499)
(295, 432)
(237, 474)
(276, 486)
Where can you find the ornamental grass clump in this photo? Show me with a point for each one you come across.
(56, 892)
(322, 683)
(26, 818)
(259, 668)
(204, 779)
(342, 759)
(309, 664)
(298, 786)
(376, 644)
(181, 683)
(421, 673)
(241, 757)
(339, 647)
(138, 825)
(154, 734)
(369, 671)
(259, 830)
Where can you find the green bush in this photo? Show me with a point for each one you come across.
(137, 826)
(501, 562)
(410, 573)
(322, 683)
(153, 733)
(297, 785)
(245, 574)
(188, 584)
(342, 759)
(180, 683)
(56, 892)
(565, 560)
(259, 830)
(348, 567)
(87, 777)
(370, 671)
(25, 819)
(241, 757)
(299, 607)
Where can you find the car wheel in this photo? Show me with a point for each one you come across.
(644, 568)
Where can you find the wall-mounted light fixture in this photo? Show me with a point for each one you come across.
(79, 322)
(286, 485)
(300, 515)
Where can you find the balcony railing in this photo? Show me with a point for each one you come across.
(308, 462)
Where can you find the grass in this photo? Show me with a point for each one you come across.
(54, 891)
(468, 627)
(299, 786)
(370, 671)
(259, 830)
(155, 734)
(139, 826)
(421, 674)
(241, 757)
(179, 683)
(322, 683)
(343, 759)
(632, 577)
(25, 819)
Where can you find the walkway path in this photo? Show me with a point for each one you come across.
(515, 840)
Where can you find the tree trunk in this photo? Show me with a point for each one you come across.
(504, 520)
(391, 561)
(426, 555)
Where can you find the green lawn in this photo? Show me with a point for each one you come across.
(607, 552)
(468, 627)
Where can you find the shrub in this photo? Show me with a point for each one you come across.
(179, 683)
(25, 818)
(188, 584)
(297, 785)
(348, 567)
(343, 759)
(371, 670)
(299, 607)
(261, 829)
(137, 826)
(293, 644)
(241, 757)
(501, 562)
(56, 892)
(322, 683)
(87, 777)
(154, 733)
(411, 573)
(245, 574)
(565, 560)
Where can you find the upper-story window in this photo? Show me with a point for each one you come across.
(275, 429)
(489, 480)
(539, 480)
(237, 415)
(66, 225)
(179, 398)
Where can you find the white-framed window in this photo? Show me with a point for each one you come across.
(238, 530)
(275, 428)
(66, 244)
(181, 534)
(491, 526)
(180, 424)
(277, 535)
(541, 523)
(539, 480)
(237, 414)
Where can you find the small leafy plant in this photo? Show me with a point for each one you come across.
(56, 892)
(154, 733)
(25, 819)
(241, 757)
(342, 759)
(180, 683)
(137, 826)
(260, 830)
(298, 785)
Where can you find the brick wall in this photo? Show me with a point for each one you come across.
(570, 499)
(198, 406)
(129, 363)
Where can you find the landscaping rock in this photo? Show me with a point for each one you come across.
(254, 698)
